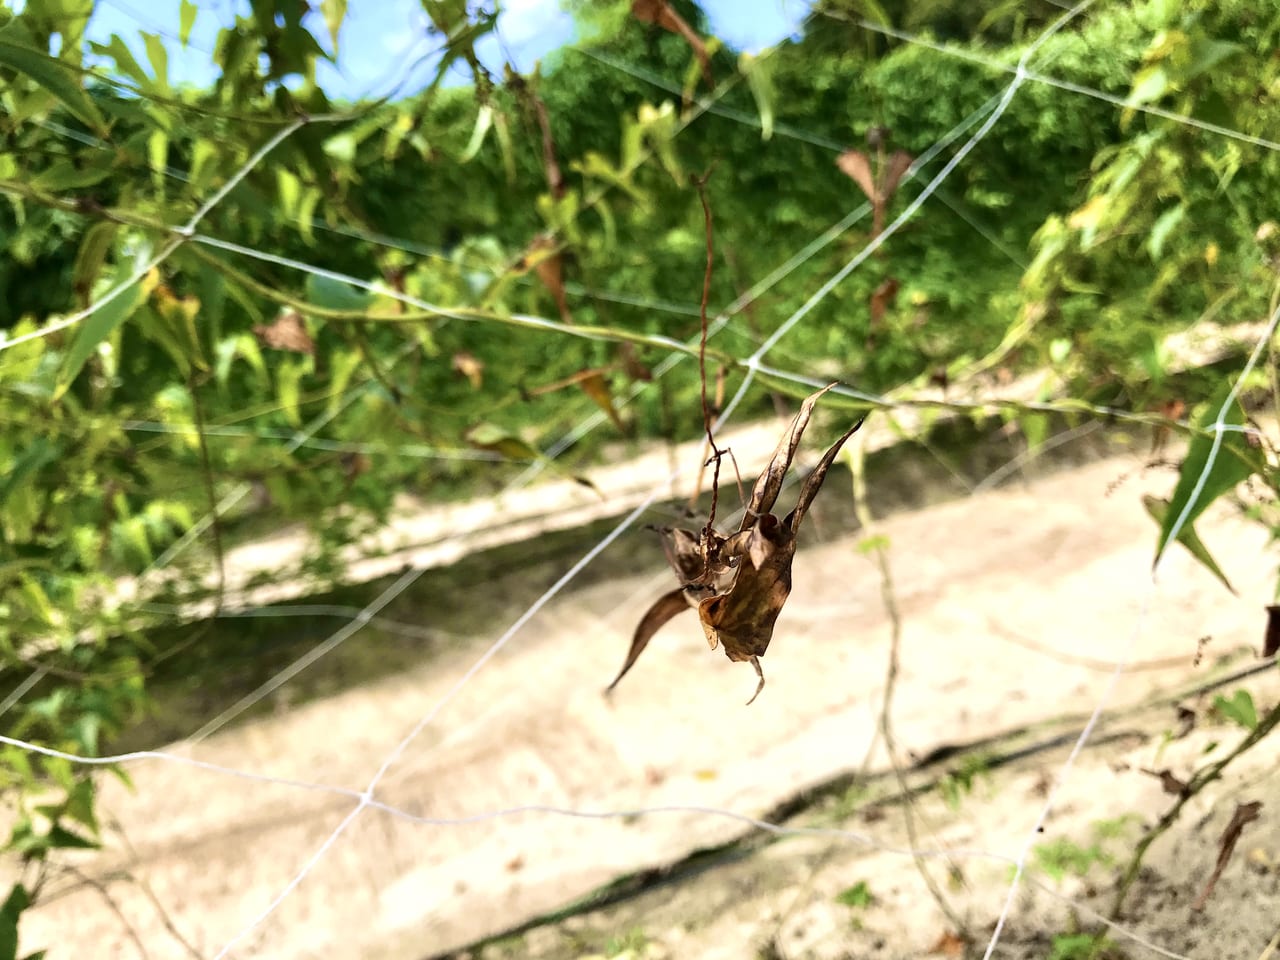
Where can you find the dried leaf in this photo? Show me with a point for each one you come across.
(895, 169)
(948, 945)
(287, 333)
(470, 366)
(1271, 643)
(855, 165)
(1168, 782)
(544, 257)
(742, 619)
(740, 583)
(631, 364)
(597, 388)
(882, 298)
(666, 607)
(1245, 814)
(659, 12)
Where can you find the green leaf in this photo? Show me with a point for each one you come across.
(63, 175)
(336, 295)
(1149, 84)
(1161, 229)
(186, 20)
(92, 254)
(1159, 510)
(760, 80)
(17, 901)
(288, 387)
(159, 57)
(342, 366)
(40, 453)
(334, 11)
(859, 895)
(94, 329)
(1207, 53)
(484, 120)
(1200, 481)
(53, 75)
(126, 63)
(80, 803)
(60, 838)
(1238, 708)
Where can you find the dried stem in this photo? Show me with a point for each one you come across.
(701, 184)
(889, 597)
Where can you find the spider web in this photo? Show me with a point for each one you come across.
(366, 799)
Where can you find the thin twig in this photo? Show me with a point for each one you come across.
(103, 892)
(889, 597)
(701, 184)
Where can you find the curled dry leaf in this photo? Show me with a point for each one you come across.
(287, 333)
(739, 583)
(1245, 814)
(855, 165)
(469, 366)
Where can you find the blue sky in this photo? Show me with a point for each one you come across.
(380, 37)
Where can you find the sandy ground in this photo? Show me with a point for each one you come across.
(1014, 603)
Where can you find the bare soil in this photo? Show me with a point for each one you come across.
(1016, 603)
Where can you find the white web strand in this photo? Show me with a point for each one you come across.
(1139, 624)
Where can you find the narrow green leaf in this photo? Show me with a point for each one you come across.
(307, 213)
(38, 454)
(342, 366)
(126, 63)
(186, 20)
(92, 254)
(1161, 229)
(94, 329)
(1200, 481)
(336, 295)
(63, 175)
(53, 75)
(159, 58)
(334, 11)
(1159, 510)
(158, 158)
(760, 81)
(289, 390)
(484, 120)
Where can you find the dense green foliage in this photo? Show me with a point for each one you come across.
(1077, 235)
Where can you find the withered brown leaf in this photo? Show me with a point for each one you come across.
(740, 583)
(1245, 814)
(287, 333)
(1271, 642)
(659, 12)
